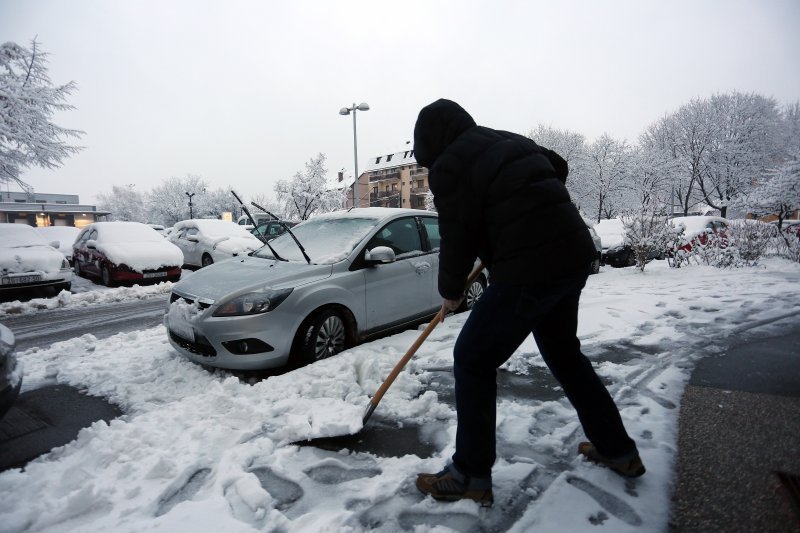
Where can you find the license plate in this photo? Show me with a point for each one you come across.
(21, 279)
(155, 274)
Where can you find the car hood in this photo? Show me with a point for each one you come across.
(248, 273)
(19, 259)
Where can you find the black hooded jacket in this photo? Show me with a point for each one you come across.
(500, 197)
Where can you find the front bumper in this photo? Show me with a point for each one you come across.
(218, 341)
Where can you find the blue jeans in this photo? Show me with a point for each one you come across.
(503, 317)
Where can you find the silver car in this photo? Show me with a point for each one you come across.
(349, 277)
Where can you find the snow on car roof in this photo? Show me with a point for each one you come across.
(374, 212)
(611, 231)
(126, 232)
(213, 227)
(695, 224)
(13, 235)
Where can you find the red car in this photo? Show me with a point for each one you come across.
(120, 252)
(699, 229)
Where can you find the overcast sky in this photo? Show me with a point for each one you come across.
(243, 93)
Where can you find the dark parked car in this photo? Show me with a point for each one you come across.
(10, 371)
(269, 229)
(118, 252)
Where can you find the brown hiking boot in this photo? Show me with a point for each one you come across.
(625, 467)
(450, 485)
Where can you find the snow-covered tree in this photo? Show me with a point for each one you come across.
(778, 194)
(572, 147)
(268, 203)
(685, 135)
(28, 100)
(308, 192)
(124, 203)
(168, 203)
(648, 233)
(745, 141)
(608, 167)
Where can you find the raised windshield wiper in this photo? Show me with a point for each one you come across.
(246, 212)
(279, 221)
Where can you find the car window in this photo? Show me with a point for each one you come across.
(275, 228)
(191, 231)
(402, 236)
(431, 225)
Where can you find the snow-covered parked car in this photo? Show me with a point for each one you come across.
(363, 272)
(207, 241)
(119, 252)
(698, 229)
(10, 371)
(614, 251)
(28, 262)
(64, 235)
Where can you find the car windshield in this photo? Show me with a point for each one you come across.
(326, 240)
(218, 229)
(15, 235)
(126, 232)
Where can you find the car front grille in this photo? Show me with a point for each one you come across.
(200, 346)
(175, 297)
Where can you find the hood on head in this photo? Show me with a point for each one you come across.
(438, 125)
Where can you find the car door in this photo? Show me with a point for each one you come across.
(92, 257)
(430, 226)
(399, 291)
(189, 246)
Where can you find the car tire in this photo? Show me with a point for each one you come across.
(105, 276)
(206, 260)
(322, 335)
(473, 294)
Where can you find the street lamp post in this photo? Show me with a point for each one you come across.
(190, 203)
(363, 106)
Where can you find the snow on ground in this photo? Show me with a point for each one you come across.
(205, 451)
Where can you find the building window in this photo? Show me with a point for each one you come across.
(377, 160)
(420, 183)
(388, 158)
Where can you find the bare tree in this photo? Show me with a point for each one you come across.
(28, 100)
(308, 192)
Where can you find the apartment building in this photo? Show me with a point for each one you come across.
(392, 180)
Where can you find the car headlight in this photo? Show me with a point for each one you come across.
(253, 303)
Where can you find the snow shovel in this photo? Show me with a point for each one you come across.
(375, 400)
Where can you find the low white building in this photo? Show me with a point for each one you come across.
(40, 210)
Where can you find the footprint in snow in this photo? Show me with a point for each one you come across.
(284, 491)
(182, 490)
(333, 473)
(610, 503)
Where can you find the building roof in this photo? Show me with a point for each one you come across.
(396, 159)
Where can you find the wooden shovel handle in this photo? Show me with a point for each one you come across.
(373, 403)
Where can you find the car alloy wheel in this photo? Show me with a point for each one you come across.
(331, 337)
(473, 294)
(207, 260)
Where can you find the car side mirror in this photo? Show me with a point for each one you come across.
(55, 244)
(192, 238)
(380, 254)
(91, 243)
